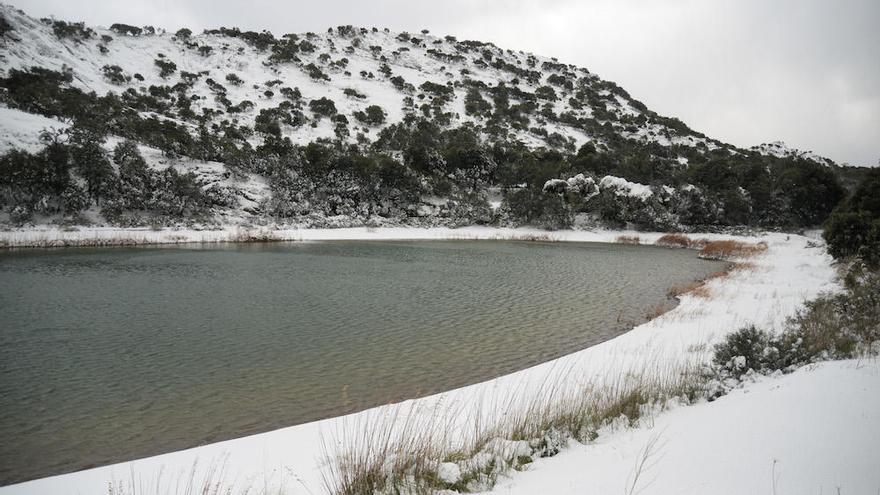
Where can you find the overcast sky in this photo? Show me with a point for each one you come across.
(748, 71)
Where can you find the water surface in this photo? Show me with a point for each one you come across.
(113, 354)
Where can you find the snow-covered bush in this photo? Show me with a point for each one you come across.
(372, 115)
(166, 67)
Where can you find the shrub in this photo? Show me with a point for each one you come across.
(5, 27)
(323, 107)
(628, 239)
(846, 232)
(475, 104)
(729, 249)
(853, 228)
(372, 115)
(233, 79)
(546, 93)
(115, 74)
(316, 73)
(353, 93)
(743, 350)
(183, 34)
(674, 240)
(166, 67)
(76, 31)
(126, 29)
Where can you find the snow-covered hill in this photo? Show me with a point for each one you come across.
(410, 128)
(344, 58)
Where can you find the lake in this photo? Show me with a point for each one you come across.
(112, 354)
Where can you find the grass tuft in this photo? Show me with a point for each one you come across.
(628, 239)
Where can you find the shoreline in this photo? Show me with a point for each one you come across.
(55, 237)
(295, 451)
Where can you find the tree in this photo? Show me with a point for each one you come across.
(91, 163)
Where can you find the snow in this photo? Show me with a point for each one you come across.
(33, 43)
(781, 150)
(813, 431)
(789, 272)
(624, 187)
(22, 130)
(449, 472)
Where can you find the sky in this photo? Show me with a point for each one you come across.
(806, 72)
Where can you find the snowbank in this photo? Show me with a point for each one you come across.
(814, 431)
(790, 271)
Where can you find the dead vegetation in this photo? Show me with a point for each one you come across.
(405, 449)
(675, 240)
(628, 239)
(731, 249)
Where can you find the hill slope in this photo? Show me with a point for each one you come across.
(358, 126)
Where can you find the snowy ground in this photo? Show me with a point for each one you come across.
(733, 441)
(812, 432)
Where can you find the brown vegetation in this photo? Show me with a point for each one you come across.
(674, 240)
(730, 249)
(628, 239)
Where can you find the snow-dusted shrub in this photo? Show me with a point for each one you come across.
(233, 79)
(166, 67)
(372, 115)
(5, 26)
(742, 351)
(115, 74)
(323, 107)
(533, 207)
(76, 31)
(315, 72)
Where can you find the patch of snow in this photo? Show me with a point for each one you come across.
(623, 187)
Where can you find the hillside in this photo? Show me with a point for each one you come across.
(358, 126)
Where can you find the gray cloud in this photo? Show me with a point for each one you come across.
(803, 71)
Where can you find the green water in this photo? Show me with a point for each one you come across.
(114, 354)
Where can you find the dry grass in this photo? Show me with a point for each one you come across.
(657, 311)
(697, 288)
(628, 239)
(213, 480)
(251, 235)
(674, 240)
(531, 238)
(400, 448)
(731, 249)
(700, 288)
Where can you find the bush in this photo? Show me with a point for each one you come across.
(836, 326)
(846, 232)
(5, 27)
(323, 107)
(115, 74)
(126, 29)
(854, 227)
(76, 31)
(372, 115)
(233, 79)
(742, 351)
(353, 93)
(166, 67)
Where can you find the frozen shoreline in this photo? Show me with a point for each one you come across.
(787, 274)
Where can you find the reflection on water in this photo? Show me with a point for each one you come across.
(114, 354)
